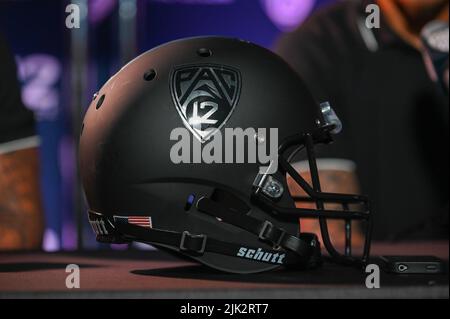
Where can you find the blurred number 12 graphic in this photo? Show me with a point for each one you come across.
(40, 75)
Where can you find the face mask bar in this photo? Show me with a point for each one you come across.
(314, 194)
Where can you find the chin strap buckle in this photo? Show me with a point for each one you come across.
(272, 234)
(193, 243)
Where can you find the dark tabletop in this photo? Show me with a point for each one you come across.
(153, 274)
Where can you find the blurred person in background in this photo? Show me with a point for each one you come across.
(395, 135)
(21, 215)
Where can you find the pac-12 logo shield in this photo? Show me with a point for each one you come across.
(205, 96)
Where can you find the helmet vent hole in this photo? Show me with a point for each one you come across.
(100, 101)
(150, 75)
(204, 52)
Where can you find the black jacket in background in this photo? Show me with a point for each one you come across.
(395, 119)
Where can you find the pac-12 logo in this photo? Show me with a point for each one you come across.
(205, 96)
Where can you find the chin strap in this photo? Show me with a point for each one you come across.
(121, 231)
(197, 244)
(305, 247)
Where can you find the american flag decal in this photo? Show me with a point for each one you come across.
(143, 221)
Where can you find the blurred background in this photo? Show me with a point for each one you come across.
(59, 70)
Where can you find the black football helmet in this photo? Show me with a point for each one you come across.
(231, 217)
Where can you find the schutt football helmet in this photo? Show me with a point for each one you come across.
(231, 217)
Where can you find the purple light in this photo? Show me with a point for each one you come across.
(287, 14)
(69, 235)
(67, 168)
(118, 247)
(51, 241)
(195, 1)
(100, 9)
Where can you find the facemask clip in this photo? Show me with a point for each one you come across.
(268, 185)
(330, 117)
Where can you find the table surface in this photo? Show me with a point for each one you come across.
(153, 274)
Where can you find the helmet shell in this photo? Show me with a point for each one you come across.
(125, 142)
